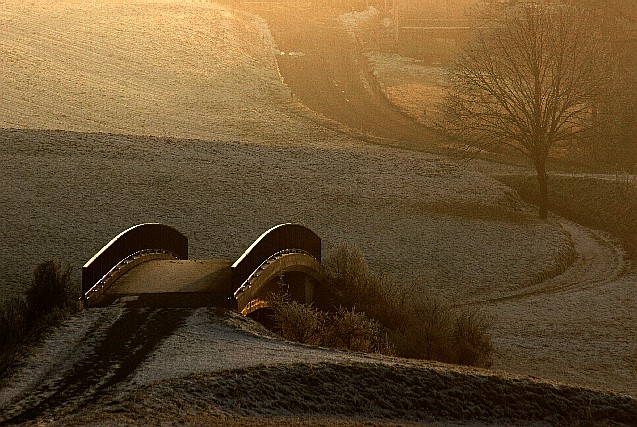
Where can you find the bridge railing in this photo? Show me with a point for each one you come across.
(277, 239)
(149, 237)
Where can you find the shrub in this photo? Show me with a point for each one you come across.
(48, 297)
(420, 325)
(426, 333)
(352, 330)
(13, 322)
(436, 330)
(295, 321)
(365, 312)
(350, 284)
(50, 289)
(471, 345)
(343, 329)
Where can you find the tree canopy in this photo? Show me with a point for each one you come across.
(533, 76)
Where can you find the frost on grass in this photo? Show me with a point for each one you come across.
(354, 22)
(214, 341)
(380, 390)
(216, 363)
(408, 211)
(198, 70)
(413, 86)
(59, 353)
(169, 68)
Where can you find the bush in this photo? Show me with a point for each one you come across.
(365, 312)
(426, 333)
(49, 290)
(436, 330)
(350, 284)
(13, 322)
(471, 345)
(343, 329)
(295, 321)
(419, 324)
(354, 331)
(48, 297)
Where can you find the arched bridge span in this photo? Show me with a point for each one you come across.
(289, 250)
(286, 248)
(131, 247)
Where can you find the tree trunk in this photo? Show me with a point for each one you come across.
(542, 180)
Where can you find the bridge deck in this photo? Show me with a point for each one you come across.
(200, 282)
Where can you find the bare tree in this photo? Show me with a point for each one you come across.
(533, 76)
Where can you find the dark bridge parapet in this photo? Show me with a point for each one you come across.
(150, 238)
(279, 239)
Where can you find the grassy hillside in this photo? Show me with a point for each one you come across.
(116, 113)
(603, 203)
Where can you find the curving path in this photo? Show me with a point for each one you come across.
(587, 311)
(578, 325)
(599, 260)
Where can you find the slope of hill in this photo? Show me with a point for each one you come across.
(115, 113)
(216, 368)
(148, 68)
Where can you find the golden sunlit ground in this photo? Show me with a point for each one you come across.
(114, 113)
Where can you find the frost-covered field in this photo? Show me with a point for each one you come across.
(416, 88)
(116, 113)
(216, 366)
(152, 68)
(197, 70)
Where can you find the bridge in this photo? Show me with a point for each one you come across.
(149, 263)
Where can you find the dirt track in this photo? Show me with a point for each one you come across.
(111, 352)
(328, 73)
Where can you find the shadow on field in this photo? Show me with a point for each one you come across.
(108, 359)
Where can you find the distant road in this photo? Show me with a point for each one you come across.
(328, 74)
